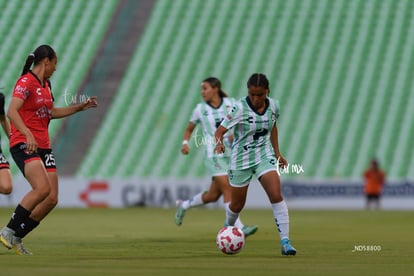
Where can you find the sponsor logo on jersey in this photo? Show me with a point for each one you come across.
(20, 90)
(43, 112)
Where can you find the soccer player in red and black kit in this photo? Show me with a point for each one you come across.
(5, 175)
(30, 111)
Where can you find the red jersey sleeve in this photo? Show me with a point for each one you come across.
(20, 89)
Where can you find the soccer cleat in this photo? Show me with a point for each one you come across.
(179, 214)
(249, 230)
(6, 237)
(18, 246)
(287, 248)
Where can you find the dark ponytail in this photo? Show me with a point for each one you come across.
(223, 94)
(216, 83)
(29, 61)
(41, 52)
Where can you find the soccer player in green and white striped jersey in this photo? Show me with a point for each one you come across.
(255, 150)
(209, 115)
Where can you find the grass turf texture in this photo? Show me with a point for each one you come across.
(145, 241)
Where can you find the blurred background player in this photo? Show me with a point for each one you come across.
(209, 115)
(5, 175)
(30, 111)
(374, 182)
(255, 150)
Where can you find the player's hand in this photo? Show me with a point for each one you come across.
(219, 149)
(31, 144)
(282, 161)
(185, 149)
(91, 102)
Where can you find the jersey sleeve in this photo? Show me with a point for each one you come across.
(275, 106)
(2, 104)
(195, 116)
(21, 88)
(233, 117)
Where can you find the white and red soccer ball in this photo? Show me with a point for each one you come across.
(230, 240)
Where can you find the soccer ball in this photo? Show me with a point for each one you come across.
(230, 240)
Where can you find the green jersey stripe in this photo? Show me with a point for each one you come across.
(251, 133)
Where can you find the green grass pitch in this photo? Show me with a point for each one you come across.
(145, 241)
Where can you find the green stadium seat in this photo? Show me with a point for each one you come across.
(339, 68)
(73, 28)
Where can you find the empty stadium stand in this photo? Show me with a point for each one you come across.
(73, 28)
(339, 68)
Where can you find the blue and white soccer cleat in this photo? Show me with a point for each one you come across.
(249, 230)
(287, 248)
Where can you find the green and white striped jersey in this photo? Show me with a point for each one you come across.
(209, 119)
(251, 132)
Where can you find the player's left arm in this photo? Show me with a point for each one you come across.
(275, 143)
(61, 112)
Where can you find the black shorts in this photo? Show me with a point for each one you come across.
(4, 164)
(21, 156)
(373, 196)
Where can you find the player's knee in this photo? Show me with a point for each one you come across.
(51, 201)
(42, 192)
(6, 190)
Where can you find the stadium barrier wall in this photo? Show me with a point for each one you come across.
(300, 194)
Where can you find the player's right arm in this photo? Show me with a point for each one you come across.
(185, 149)
(194, 120)
(232, 118)
(14, 117)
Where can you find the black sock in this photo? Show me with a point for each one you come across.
(17, 220)
(30, 224)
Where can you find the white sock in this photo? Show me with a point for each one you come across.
(194, 201)
(231, 216)
(280, 212)
(238, 222)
